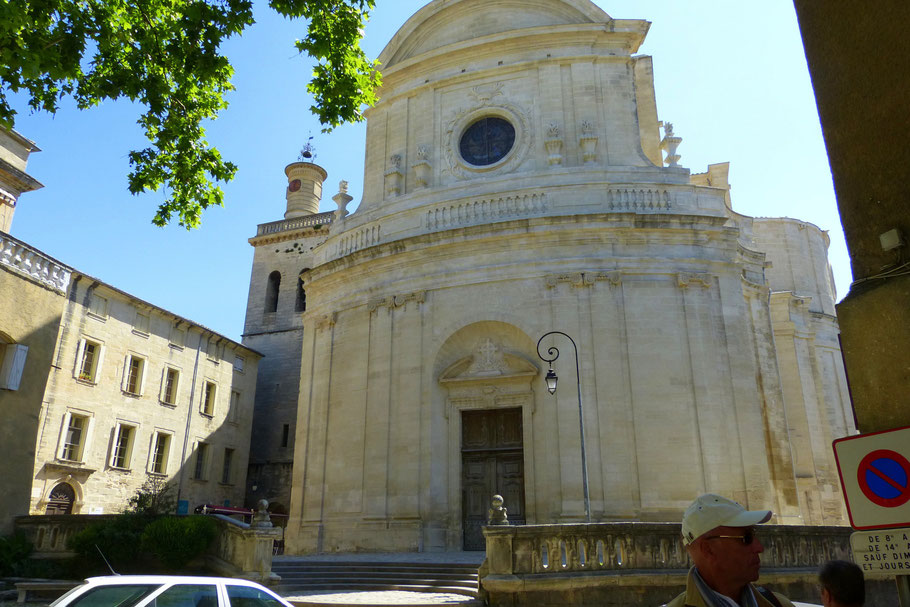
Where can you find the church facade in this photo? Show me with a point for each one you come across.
(518, 182)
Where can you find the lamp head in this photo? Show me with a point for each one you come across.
(551, 380)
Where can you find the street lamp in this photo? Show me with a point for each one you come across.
(551, 380)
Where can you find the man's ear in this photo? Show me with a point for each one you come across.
(826, 597)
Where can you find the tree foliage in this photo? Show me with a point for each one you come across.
(165, 54)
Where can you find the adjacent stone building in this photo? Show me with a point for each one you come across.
(101, 391)
(517, 182)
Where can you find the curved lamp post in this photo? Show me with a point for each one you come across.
(551, 380)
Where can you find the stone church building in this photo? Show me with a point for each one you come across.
(518, 181)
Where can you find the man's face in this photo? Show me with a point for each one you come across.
(729, 558)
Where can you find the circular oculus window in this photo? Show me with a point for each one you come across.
(487, 141)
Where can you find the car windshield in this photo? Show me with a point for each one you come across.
(187, 595)
(119, 595)
(247, 596)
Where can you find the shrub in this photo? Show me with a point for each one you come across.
(176, 541)
(153, 498)
(14, 551)
(117, 538)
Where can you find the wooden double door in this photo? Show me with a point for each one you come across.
(492, 462)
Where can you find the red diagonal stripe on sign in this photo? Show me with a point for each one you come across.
(886, 478)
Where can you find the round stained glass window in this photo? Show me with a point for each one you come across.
(487, 141)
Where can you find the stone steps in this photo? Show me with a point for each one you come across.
(357, 576)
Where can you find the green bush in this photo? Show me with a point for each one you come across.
(176, 541)
(117, 538)
(153, 498)
(14, 551)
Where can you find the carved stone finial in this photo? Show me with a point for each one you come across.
(342, 187)
(498, 514)
(422, 167)
(262, 518)
(553, 144)
(395, 161)
(588, 142)
(668, 129)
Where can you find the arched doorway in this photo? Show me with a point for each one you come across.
(61, 499)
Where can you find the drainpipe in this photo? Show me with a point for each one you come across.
(189, 413)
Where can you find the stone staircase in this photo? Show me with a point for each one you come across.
(338, 575)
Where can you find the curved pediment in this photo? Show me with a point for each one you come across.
(445, 22)
(488, 362)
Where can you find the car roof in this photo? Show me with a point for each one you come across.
(167, 579)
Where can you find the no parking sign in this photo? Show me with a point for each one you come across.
(875, 475)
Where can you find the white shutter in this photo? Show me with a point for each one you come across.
(98, 363)
(142, 373)
(13, 364)
(79, 350)
(126, 373)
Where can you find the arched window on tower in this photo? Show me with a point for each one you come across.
(300, 306)
(271, 293)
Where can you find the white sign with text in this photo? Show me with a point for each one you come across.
(882, 554)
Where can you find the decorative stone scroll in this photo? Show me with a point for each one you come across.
(326, 321)
(584, 279)
(396, 301)
(687, 279)
(553, 144)
(393, 177)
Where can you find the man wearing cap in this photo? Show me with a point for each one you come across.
(719, 536)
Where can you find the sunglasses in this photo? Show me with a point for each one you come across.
(746, 538)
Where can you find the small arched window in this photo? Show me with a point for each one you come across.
(300, 306)
(271, 293)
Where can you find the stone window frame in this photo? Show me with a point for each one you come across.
(227, 466)
(165, 376)
(141, 323)
(79, 372)
(153, 462)
(128, 386)
(122, 443)
(208, 397)
(84, 436)
(201, 456)
(524, 137)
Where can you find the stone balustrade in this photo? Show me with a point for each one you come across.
(49, 534)
(309, 221)
(242, 550)
(33, 263)
(239, 550)
(632, 563)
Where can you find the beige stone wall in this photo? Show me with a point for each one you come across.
(429, 300)
(279, 335)
(30, 318)
(14, 153)
(122, 327)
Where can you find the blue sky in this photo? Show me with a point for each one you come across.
(730, 76)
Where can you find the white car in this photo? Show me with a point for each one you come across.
(168, 591)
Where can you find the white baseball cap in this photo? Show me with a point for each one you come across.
(709, 511)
